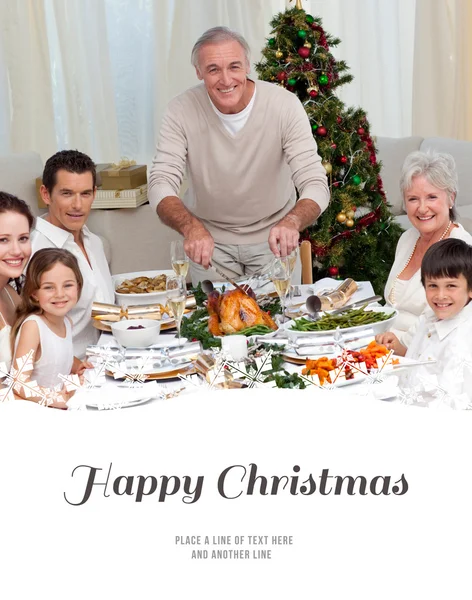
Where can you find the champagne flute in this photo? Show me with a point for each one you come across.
(177, 298)
(280, 275)
(292, 259)
(179, 258)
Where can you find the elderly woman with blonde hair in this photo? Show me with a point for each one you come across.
(429, 185)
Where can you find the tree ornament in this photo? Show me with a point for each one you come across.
(341, 217)
(338, 120)
(356, 179)
(301, 34)
(313, 92)
(321, 131)
(328, 167)
(279, 54)
(361, 131)
(304, 52)
(333, 271)
(323, 79)
(271, 42)
(314, 127)
(292, 81)
(350, 214)
(307, 45)
(309, 19)
(282, 76)
(350, 223)
(298, 4)
(333, 146)
(343, 159)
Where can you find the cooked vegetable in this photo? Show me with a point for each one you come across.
(350, 318)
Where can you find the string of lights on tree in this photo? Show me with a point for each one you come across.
(356, 235)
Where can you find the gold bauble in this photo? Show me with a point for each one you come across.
(328, 167)
(307, 45)
(350, 214)
(350, 223)
(341, 217)
(279, 54)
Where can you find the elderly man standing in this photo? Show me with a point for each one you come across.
(69, 187)
(247, 147)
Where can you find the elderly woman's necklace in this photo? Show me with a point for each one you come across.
(391, 296)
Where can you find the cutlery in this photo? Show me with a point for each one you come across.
(208, 287)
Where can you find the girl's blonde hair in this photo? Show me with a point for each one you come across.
(40, 263)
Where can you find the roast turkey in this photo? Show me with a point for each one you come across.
(234, 311)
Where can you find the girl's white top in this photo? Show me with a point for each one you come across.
(57, 354)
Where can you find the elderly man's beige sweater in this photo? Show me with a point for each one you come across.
(239, 186)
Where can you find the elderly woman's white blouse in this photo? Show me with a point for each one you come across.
(409, 295)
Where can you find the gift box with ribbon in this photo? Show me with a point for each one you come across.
(126, 175)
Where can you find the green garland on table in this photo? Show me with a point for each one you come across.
(195, 327)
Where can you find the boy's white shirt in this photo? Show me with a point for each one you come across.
(449, 343)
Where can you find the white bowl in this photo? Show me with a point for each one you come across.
(140, 299)
(136, 338)
(379, 327)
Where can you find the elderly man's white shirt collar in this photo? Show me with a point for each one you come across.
(58, 236)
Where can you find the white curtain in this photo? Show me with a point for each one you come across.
(442, 94)
(97, 74)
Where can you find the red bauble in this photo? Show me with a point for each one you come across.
(313, 94)
(361, 131)
(343, 159)
(333, 146)
(304, 52)
(336, 184)
(333, 271)
(282, 76)
(373, 158)
(338, 120)
(321, 131)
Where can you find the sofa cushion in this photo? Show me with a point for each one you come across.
(392, 153)
(18, 174)
(462, 153)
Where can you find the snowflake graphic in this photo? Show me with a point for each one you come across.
(17, 379)
(257, 374)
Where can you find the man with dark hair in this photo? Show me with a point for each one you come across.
(69, 187)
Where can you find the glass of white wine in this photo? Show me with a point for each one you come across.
(292, 259)
(177, 298)
(280, 275)
(179, 258)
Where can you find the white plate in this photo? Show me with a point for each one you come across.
(139, 299)
(376, 327)
(112, 406)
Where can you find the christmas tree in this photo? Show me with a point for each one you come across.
(356, 236)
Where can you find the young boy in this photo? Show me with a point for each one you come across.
(444, 331)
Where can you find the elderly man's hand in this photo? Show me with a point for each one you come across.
(199, 245)
(283, 237)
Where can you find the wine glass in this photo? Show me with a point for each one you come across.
(280, 275)
(178, 258)
(177, 298)
(292, 259)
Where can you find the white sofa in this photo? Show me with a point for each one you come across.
(135, 239)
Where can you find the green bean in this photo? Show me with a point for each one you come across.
(349, 318)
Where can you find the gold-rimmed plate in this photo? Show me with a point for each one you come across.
(160, 375)
(166, 324)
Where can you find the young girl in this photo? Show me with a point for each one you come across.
(52, 287)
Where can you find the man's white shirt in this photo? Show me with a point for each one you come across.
(98, 286)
